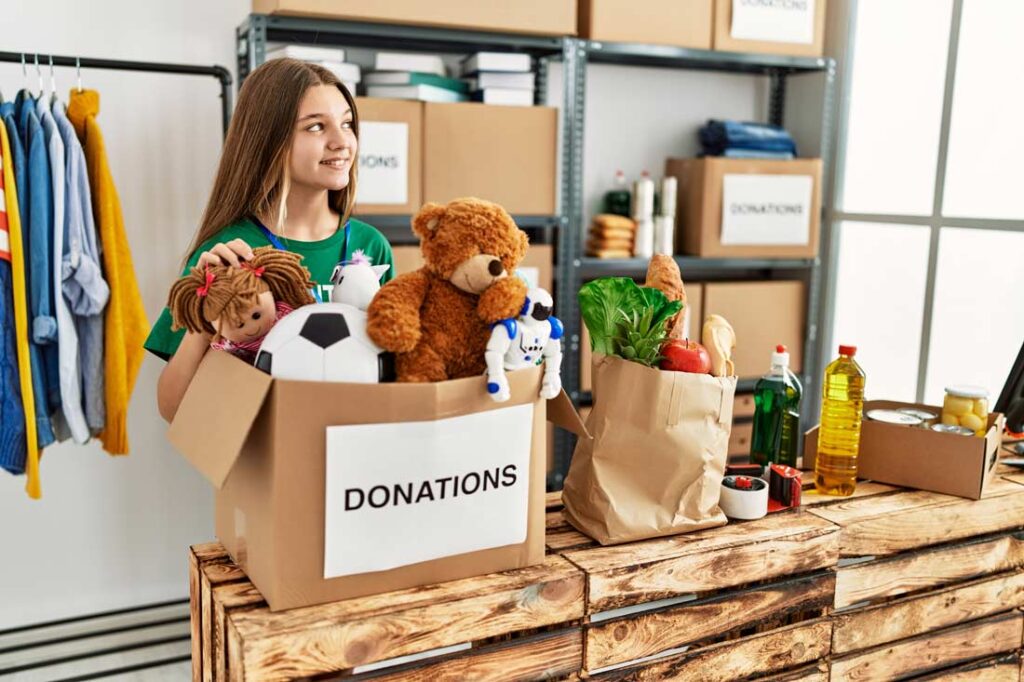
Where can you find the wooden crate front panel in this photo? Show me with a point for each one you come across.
(637, 636)
(816, 672)
(342, 635)
(934, 650)
(778, 545)
(911, 616)
(1004, 668)
(769, 652)
(919, 571)
(546, 656)
(199, 555)
(887, 524)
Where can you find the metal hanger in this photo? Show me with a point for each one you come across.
(39, 72)
(78, 72)
(53, 85)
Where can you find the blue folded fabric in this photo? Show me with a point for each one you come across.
(718, 136)
(732, 153)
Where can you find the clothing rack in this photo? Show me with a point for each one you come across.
(218, 72)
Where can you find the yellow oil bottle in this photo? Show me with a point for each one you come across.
(835, 469)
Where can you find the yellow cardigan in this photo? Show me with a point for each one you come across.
(125, 327)
(32, 486)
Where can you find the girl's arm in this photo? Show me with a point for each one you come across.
(177, 375)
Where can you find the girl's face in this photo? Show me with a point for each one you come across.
(324, 144)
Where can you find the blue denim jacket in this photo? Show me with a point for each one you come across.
(36, 216)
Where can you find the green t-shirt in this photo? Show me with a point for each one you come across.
(318, 257)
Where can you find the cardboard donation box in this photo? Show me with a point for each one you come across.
(917, 457)
(327, 491)
(541, 17)
(390, 156)
(748, 208)
(793, 27)
(683, 23)
(504, 154)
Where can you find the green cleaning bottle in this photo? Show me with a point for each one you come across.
(776, 414)
(835, 469)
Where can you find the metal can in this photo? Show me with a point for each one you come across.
(893, 417)
(952, 428)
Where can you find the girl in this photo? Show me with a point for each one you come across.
(287, 179)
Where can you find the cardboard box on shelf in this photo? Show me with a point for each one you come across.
(327, 491)
(763, 314)
(917, 457)
(390, 156)
(744, 407)
(502, 154)
(747, 208)
(682, 23)
(539, 17)
(739, 440)
(537, 267)
(693, 320)
(789, 28)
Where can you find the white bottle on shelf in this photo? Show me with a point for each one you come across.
(665, 222)
(643, 214)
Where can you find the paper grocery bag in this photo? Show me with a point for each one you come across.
(655, 463)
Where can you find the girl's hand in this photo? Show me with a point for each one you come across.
(228, 253)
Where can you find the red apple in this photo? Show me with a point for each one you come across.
(685, 356)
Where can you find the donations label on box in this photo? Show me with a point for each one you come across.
(383, 162)
(781, 21)
(766, 209)
(402, 493)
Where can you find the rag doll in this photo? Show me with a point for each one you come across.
(237, 306)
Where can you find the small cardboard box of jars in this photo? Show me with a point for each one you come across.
(925, 450)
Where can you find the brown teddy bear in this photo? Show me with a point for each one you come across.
(437, 319)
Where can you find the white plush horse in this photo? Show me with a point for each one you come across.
(356, 281)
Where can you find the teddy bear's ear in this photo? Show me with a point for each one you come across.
(424, 222)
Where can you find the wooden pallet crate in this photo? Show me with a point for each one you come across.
(525, 621)
(748, 599)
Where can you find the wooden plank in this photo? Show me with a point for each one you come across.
(342, 635)
(550, 655)
(769, 652)
(927, 569)
(809, 497)
(778, 545)
(917, 615)
(1005, 668)
(553, 500)
(816, 672)
(627, 639)
(210, 576)
(195, 614)
(886, 524)
(227, 599)
(561, 536)
(934, 650)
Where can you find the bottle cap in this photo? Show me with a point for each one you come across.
(848, 350)
(780, 358)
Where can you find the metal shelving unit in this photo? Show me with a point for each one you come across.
(566, 228)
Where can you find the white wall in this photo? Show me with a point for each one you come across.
(113, 532)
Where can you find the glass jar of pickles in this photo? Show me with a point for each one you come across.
(966, 406)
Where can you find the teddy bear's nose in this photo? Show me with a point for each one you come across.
(495, 268)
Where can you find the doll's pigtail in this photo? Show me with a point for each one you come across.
(284, 274)
(187, 298)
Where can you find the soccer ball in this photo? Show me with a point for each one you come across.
(324, 342)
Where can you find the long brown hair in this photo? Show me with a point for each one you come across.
(252, 175)
(223, 292)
